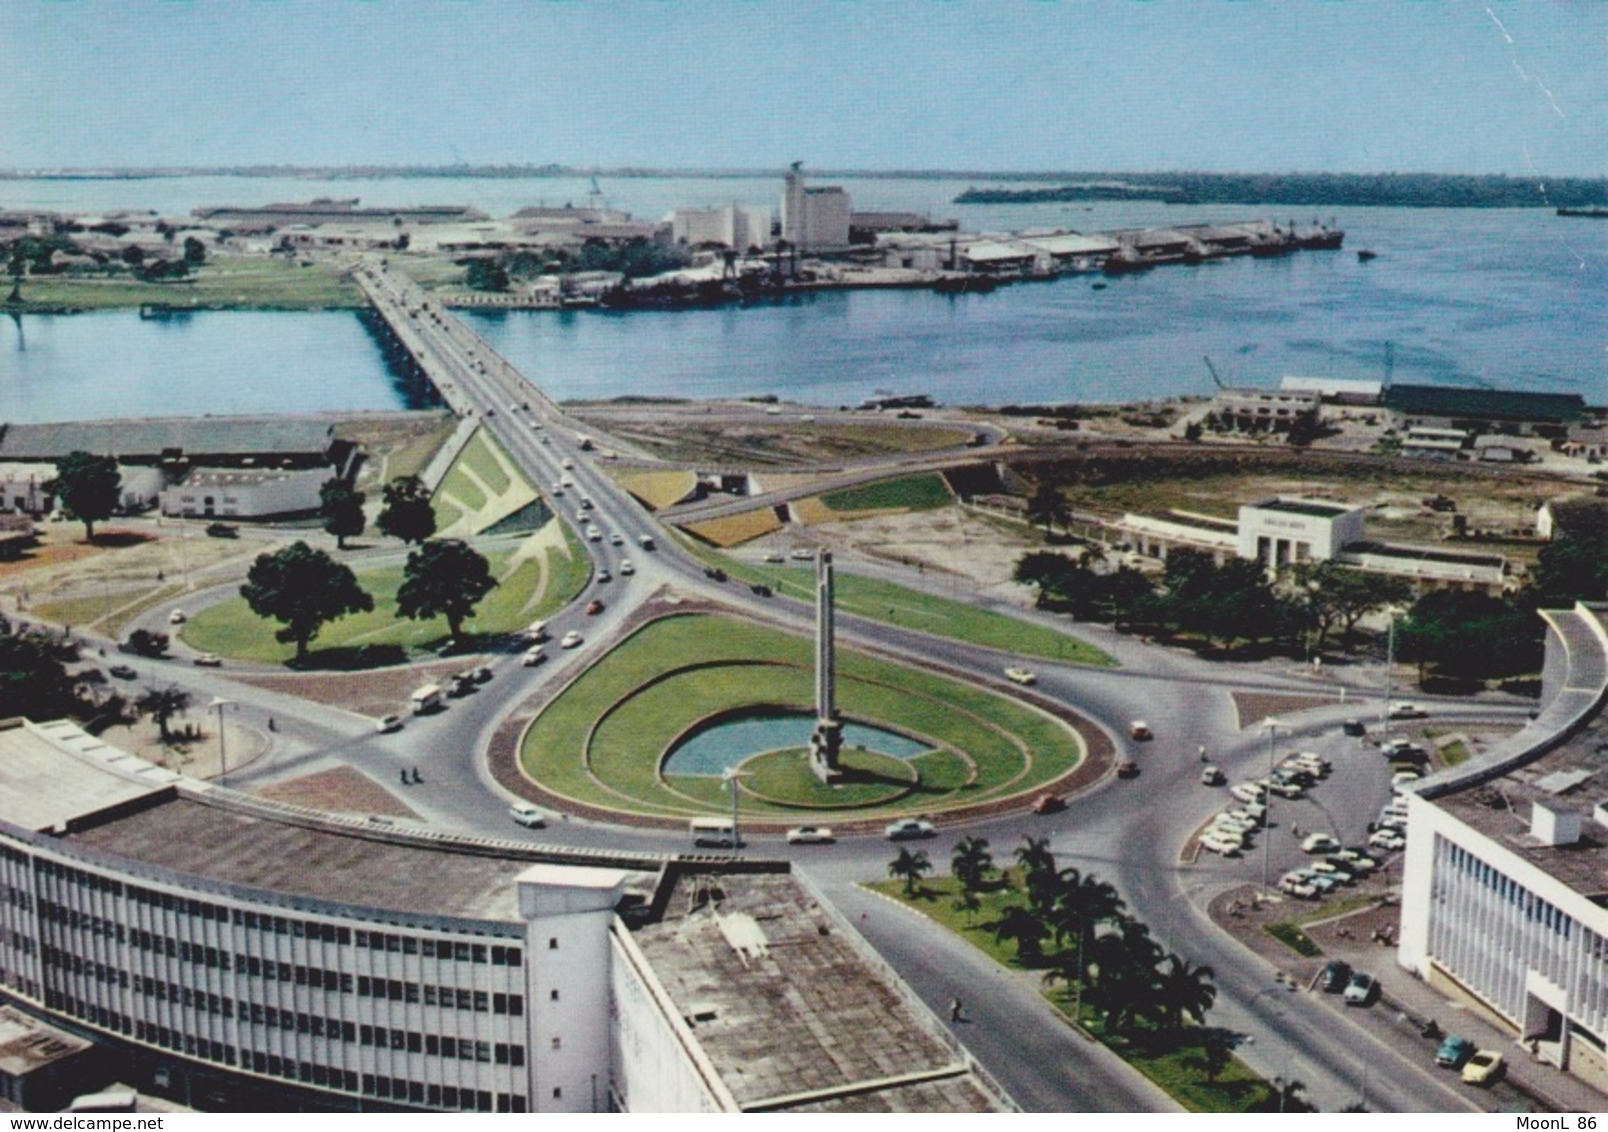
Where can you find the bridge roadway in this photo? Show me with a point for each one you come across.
(1130, 833)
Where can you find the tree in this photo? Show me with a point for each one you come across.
(87, 487)
(1124, 968)
(1217, 1046)
(1027, 930)
(966, 901)
(444, 578)
(304, 589)
(1572, 567)
(911, 865)
(195, 252)
(33, 674)
(1047, 506)
(143, 642)
(162, 704)
(1184, 992)
(342, 510)
(971, 863)
(134, 255)
(406, 513)
(1472, 636)
(1336, 597)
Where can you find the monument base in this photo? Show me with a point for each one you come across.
(825, 745)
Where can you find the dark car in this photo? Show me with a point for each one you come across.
(123, 672)
(1336, 974)
(1353, 727)
(594, 607)
(761, 589)
(1453, 1052)
(1127, 768)
(1049, 804)
(222, 530)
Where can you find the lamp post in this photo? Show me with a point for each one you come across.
(1272, 726)
(223, 750)
(1390, 671)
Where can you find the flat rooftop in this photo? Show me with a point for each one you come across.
(788, 1009)
(26, 1043)
(55, 778)
(1572, 776)
(1312, 508)
(192, 436)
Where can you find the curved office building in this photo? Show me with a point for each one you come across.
(351, 964)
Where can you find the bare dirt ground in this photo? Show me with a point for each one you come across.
(951, 540)
(193, 750)
(339, 791)
(1254, 707)
(375, 693)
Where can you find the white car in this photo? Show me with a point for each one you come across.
(1407, 711)
(526, 815)
(558, 489)
(209, 660)
(774, 556)
(626, 569)
(803, 554)
(177, 617)
(907, 829)
(387, 723)
(1319, 843)
(1021, 675)
(533, 656)
(569, 465)
(594, 535)
(1247, 792)
(1221, 845)
(566, 481)
(571, 639)
(537, 632)
(1404, 777)
(1387, 839)
(809, 835)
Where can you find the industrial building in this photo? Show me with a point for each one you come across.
(1505, 889)
(735, 226)
(814, 219)
(1484, 410)
(310, 961)
(245, 493)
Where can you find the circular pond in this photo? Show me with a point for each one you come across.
(710, 750)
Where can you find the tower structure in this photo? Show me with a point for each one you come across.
(827, 741)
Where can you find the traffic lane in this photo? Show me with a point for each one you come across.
(1017, 1036)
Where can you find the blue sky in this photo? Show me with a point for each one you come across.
(1370, 85)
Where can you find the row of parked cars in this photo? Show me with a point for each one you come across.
(1231, 831)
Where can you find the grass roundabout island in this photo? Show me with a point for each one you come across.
(916, 742)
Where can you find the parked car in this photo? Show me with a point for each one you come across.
(388, 723)
(571, 639)
(809, 835)
(1319, 843)
(774, 556)
(907, 829)
(526, 815)
(1227, 846)
(1289, 790)
(1336, 974)
(1247, 792)
(1139, 729)
(1387, 839)
(1483, 1068)
(1407, 711)
(209, 660)
(123, 672)
(1453, 1052)
(1211, 775)
(802, 554)
(1127, 768)
(222, 530)
(1019, 675)
(761, 590)
(1049, 804)
(1362, 990)
(177, 617)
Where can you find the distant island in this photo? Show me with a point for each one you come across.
(1321, 190)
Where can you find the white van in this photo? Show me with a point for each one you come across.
(426, 699)
(717, 833)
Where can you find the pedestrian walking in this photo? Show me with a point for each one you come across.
(417, 777)
(404, 775)
(1203, 752)
(954, 1010)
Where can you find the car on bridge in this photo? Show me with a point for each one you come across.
(626, 568)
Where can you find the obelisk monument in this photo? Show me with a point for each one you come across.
(827, 740)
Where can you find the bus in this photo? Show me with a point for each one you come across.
(715, 833)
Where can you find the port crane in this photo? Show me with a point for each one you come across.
(1211, 369)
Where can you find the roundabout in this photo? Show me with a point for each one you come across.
(656, 729)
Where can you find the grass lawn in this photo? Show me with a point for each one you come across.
(1157, 1055)
(231, 630)
(912, 493)
(603, 739)
(929, 613)
(785, 776)
(231, 281)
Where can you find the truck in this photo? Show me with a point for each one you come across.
(426, 699)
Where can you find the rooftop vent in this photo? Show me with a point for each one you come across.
(702, 1012)
(1554, 826)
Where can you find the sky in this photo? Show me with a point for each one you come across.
(1003, 85)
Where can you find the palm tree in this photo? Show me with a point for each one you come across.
(1124, 963)
(1017, 923)
(1184, 992)
(1217, 1046)
(162, 704)
(1038, 874)
(911, 865)
(971, 862)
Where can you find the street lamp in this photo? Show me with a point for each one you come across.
(1272, 726)
(223, 751)
(1390, 669)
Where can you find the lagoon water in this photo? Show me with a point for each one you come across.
(725, 744)
(1505, 298)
